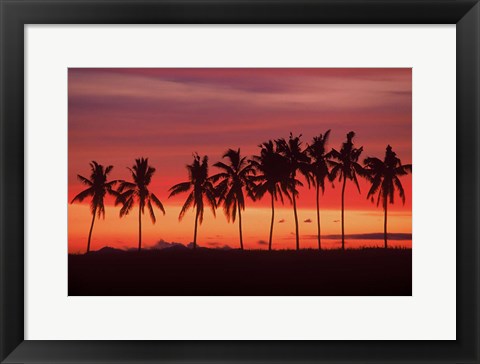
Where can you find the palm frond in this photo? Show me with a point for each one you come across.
(215, 178)
(157, 202)
(334, 154)
(200, 208)
(210, 199)
(399, 186)
(150, 210)
(83, 195)
(221, 189)
(362, 172)
(108, 169)
(376, 183)
(112, 184)
(188, 203)
(124, 185)
(127, 207)
(229, 170)
(122, 197)
(334, 172)
(373, 163)
(84, 180)
(101, 209)
(229, 200)
(240, 198)
(179, 188)
(354, 178)
(403, 170)
(259, 190)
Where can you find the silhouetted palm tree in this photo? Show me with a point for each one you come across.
(272, 177)
(319, 171)
(298, 161)
(129, 192)
(98, 187)
(384, 177)
(346, 167)
(202, 190)
(236, 177)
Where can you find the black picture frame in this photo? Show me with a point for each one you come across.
(16, 14)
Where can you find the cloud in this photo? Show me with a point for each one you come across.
(308, 221)
(262, 242)
(258, 89)
(281, 221)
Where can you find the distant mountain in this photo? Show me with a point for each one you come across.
(108, 250)
(162, 244)
(175, 247)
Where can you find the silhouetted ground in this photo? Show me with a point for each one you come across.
(184, 272)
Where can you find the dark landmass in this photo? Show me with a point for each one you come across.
(179, 271)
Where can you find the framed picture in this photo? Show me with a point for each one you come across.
(270, 185)
(240, 181)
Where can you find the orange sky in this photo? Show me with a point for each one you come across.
(117, 115)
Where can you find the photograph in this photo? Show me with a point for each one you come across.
(233, 181)
(239, 182)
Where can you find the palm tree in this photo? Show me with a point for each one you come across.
(346, 167)
(98, 187)
(234, 178)
(129, 192)
(319, 171)
(298, 160)
(272, 177)
(384, 177)
(201, 190)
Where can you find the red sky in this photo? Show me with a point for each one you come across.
(117, 115)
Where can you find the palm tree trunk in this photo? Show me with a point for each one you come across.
(343, 212)
(385, 224)
(296, 222)
(271, 224)
(139, 227)
(91, 229)
(318, 217)
(240, 226)
(195, 231)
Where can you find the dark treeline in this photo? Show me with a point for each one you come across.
(273, 172)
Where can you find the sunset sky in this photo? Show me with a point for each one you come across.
(117, 115)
